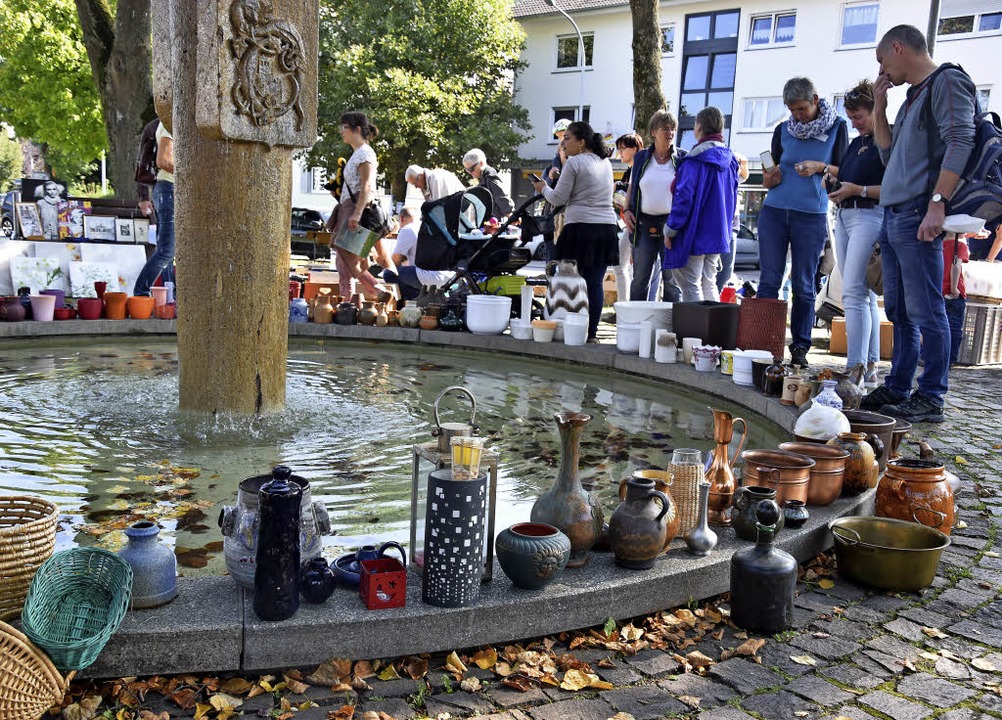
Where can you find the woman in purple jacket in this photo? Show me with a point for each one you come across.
(705, 194)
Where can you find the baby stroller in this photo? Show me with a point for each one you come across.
(447, 241)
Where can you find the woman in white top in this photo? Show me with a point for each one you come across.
(357, 191)
(590, 232)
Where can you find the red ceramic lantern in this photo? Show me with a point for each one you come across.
(383, 583)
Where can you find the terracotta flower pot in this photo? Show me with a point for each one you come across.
(89, 308)
(114, 305)
(164, 312)
(140, 307)
(62, 313)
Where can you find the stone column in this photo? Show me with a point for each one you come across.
(239, 79)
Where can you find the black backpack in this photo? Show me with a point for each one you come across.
(979, 192)
(146, 157)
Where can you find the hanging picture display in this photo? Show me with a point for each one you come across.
(99, 227)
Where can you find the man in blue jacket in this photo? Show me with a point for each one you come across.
(705, 194)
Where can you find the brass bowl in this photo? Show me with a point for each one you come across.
(828, 471)
(888, 554)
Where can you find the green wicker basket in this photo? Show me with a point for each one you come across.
(76, 601)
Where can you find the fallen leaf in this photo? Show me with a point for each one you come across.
(150, 715)
(929, 656)
(517, 682)
(202, 710)
(631, 633)
(801, 713)
(237, 686)
(221, 701)
(960, 525)
(345, 712)
(991, 554)
(934, 632)
(330, 672)
(184, 698)
(575, 680)
(363, 669)
(503, 669)
(750, 646)
(486, 659)
(599, 684)
(470, 684)
(690, 700)
(416, 668)
(826, 584)
(453, 663)
(803, 660)
(389, 673)
(622, 716)
(85, 709)
(357, 683)
(699, 660)
(686, 616)
(984, 664)
(295, 686)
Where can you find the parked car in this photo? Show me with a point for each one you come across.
(746, 248)
(7, 214)
(306, 220)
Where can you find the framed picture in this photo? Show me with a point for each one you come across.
(71, 215)
(28, 219)
(99, 227)
(141, 230)
(124, 232)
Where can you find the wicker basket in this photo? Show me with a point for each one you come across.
(762, 325)
(685, 492)
(27, 537)
(76, 602)
(29, 682)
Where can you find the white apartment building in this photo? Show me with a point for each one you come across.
(734, 55)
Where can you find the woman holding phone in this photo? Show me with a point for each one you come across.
(589, 236)
(794, 213)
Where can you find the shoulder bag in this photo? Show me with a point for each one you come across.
(373, 217)
(875, 271)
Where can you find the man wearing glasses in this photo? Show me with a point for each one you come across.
(475, 162)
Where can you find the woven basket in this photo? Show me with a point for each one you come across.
(685, 492)
(762, 325)
(76, 602)
(27, 537)
(29, 682)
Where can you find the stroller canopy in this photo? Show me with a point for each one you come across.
(443, 221)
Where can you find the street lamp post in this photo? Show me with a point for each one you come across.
(581, 55)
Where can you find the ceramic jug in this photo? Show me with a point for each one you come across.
(566, 290)
(12, 310)
(323, 311)
(861, 468)
(318, 581)
(367, 315)
(239, 525)
(637, 527)
(382, 318)
(154, 566)
(298, 311)
(917, 491)
(410, 315)
(763, 579)
(746, 500)
(277, 575)
(347, 314)
(720, 473)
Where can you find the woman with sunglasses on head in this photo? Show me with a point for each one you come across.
(854, 187)
(358, 190)
(589, 235)
(475, 162)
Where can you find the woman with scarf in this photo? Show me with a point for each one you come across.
(794, 213)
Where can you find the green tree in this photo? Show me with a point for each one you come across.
(75, 77)
(436, 77)
(11, 160)
(46, 90)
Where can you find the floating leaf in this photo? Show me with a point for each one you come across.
(826, 584)
(803, 660)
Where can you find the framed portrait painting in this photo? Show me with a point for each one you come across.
(29, 220)
(124, 231)
(99, 227)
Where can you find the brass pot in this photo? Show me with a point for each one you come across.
(886, 553)
(788, 472)
(828, 471)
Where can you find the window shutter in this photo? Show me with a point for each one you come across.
(960, 8)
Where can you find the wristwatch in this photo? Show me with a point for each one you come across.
(938, 198)
(863, 193)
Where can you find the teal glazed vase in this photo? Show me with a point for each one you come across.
(567, 505)
(154, 567)
(532, 555)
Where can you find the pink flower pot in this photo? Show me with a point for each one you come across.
(42, 307)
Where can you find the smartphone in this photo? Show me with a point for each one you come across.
(535, 177)
(767, 162)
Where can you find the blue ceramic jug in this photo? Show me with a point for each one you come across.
(154, 567)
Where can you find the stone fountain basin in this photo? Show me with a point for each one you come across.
(211, 625)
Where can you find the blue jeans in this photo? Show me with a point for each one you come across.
(856, 229)
(406, 278)
(913, 300)
(726, 267)
(804, 235)
(594, 277)
(162, 259)
(647, 260)
(955, 309)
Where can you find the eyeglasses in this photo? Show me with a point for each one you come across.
(858, 96)
(346, 127)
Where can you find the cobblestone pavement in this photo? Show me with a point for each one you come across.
(876, 655)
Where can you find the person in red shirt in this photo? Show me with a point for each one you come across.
(955, 254)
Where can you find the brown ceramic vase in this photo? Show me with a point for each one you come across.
(861, 468)
(916, 490)
(662, 482)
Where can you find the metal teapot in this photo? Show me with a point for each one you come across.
(446, 431)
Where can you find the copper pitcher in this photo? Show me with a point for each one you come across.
(720, 473)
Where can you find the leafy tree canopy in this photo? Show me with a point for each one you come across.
(47, 92)
(11, 161)
(435, 76)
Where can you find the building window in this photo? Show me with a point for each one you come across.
(668, 39)
(859, 23)
(774, 29)
(989, 20)
(984, 96)
(567, 50)
(568, 113)
(763, 114)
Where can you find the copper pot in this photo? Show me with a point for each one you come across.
(916, 490)
(828, 471)
(788, 472)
